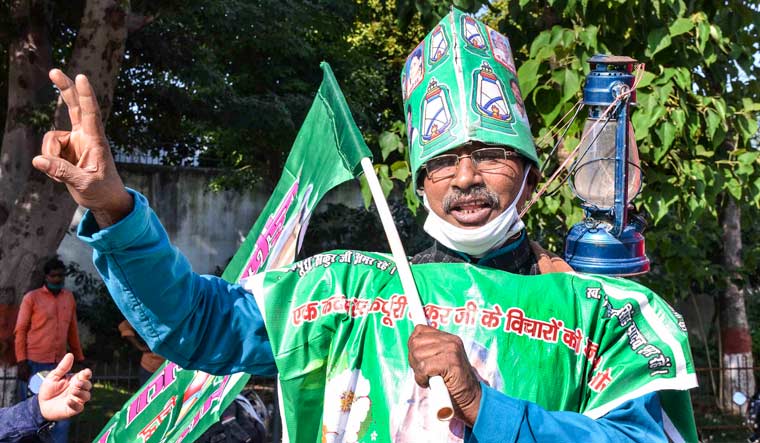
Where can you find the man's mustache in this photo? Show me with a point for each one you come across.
(457, 197)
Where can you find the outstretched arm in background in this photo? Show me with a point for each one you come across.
(60, 398)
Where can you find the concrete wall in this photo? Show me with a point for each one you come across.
(208, 227)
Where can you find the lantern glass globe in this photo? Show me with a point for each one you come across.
(593, 179)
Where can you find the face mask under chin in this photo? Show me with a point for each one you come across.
(479, 241)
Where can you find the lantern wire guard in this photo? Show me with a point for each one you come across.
(604, 242)
(565, 124)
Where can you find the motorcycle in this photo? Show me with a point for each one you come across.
(246, 420)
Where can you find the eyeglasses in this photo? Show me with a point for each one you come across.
(483, 160)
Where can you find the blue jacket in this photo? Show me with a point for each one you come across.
(23, 420)
(203, 322)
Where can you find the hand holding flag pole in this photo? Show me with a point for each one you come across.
(439, 395)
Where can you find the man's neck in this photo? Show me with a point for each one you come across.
(516, 256)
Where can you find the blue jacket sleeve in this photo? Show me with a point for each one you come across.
(502, 419)
(198, 322)
(20, 420)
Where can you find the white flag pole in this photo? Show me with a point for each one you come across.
(439, 395)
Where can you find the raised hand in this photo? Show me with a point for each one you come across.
(433, 352)
(81, 158)
(61, 397)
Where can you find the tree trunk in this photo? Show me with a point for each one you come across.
(28, 90)
(736, 341)
(42, 213)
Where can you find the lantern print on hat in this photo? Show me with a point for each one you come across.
(436, 112)
(490, 99)
(439, 46)
(460, 85)
(472, 33)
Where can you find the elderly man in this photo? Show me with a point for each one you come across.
(474, 163)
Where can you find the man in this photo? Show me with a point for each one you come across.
(59, 398)
(149, 361)
(473, 176)
(46, 322)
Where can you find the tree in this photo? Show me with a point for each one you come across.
(222, 83)
(243, 75)
(35, 211)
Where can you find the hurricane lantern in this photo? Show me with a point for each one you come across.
(606, 176)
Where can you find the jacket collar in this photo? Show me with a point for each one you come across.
(516, 256)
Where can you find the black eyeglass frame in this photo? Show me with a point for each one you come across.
(504, 155)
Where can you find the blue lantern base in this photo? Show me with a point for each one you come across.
(593, 249)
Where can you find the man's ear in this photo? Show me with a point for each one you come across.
(534, 175)
(421, 195)
(531, 182)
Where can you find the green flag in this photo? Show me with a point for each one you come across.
(338, 324)
(327, 152)
(177, 405)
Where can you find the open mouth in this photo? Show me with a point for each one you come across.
(473, 208)
(471, 212)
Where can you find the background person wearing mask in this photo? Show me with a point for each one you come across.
(46, 323)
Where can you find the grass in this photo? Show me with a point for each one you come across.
(106, 401)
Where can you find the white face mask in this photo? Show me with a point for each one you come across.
(476, 242)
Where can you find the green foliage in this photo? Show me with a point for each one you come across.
(396, 174)
(227, 83)
(429, 12)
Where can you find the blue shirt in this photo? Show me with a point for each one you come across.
(22, 420)
(203, 322)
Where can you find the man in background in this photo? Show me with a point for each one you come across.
(149, 361)
(46, 324)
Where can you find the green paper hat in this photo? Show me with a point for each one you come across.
(460, 85)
